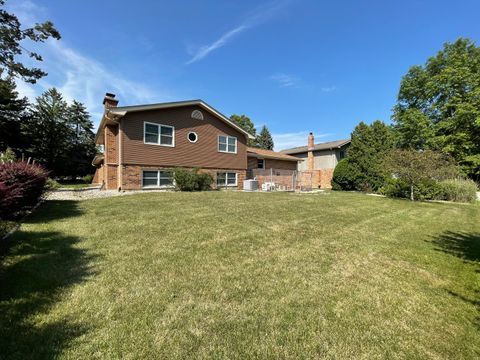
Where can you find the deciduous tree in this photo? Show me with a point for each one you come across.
(438, 105)
(416, 166)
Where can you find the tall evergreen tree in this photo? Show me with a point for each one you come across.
(83, 143)
(52, 143)
(366, 154)
(264, 140)
(13, 117)
(438, 105)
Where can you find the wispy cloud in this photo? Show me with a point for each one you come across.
(328, 89)
(259, 15)
(293, 139)
(285, 80)
(78, 76)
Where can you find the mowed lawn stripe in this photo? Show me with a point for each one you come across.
(243, 275)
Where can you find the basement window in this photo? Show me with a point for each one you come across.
(156, 179)
(158, 134)
(226, 179)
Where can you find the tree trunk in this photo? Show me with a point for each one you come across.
(411, 192)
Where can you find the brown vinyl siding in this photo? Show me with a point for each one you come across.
(273, 164)
(203, 153)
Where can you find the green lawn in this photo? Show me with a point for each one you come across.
(243, 275)
(74, 185)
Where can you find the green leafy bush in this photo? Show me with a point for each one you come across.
(457, 190)
(345, 176)
(399, 188)
(53, 184)
(88, 178)
(191, 180)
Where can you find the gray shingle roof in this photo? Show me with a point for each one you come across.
(321, 146)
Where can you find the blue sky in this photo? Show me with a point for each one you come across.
(296, 66)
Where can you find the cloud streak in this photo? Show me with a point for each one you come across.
(259, 16)
(76, 75)
(285, 80)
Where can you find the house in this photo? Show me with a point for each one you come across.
(142, 142)
(319, 159)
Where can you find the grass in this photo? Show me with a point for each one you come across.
(74, 185)
(5, 227)
(243, 275)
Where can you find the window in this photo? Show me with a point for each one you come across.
(226, 179)
(158, 134)
(197, 114)
(192, 137)
(260, 163)
(157, 178)
(342, 154)
(227, 144)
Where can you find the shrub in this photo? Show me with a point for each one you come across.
(88, 178)
(399, 188)
(457, 190)
(53, 184)
(191, 180)
(345, 176)
(22, 185)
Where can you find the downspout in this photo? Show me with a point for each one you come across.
(120, 157)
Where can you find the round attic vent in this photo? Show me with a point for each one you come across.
(197, 114)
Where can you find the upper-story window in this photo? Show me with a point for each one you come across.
(227, 144)
(159, 134)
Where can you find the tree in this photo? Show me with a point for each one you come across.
(246, 124)
(438, 106)
(83, 147)
(11, 36)
(370, 144)
(414, 166)
(53, 133)
(13, 117)
(264, 139)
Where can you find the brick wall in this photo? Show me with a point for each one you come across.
(111, 144)
(132, 176)
(319, 179)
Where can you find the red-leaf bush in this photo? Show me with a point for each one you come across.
(21, 186)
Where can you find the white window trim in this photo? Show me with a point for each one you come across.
(263, 166)
(227, 152)
(145, 123)
(188, 137)
(226, 178)
(158, 186)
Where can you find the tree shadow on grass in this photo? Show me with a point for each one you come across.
(465, 246)
(54, 210)
(34, 277)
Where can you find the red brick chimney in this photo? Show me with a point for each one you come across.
(109, 101)
(310, 148)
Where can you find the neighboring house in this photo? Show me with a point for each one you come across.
(320, 159)
(142, 142)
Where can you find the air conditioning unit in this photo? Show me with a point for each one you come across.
(250, 185)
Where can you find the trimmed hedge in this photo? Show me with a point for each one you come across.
(21, 186)
(191, 180)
